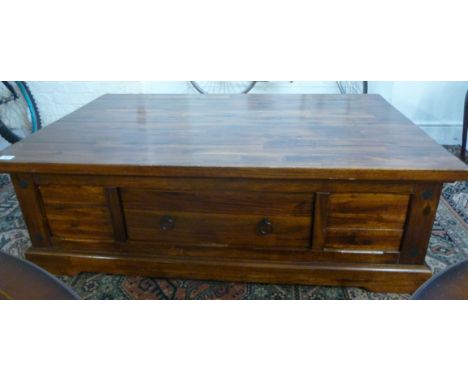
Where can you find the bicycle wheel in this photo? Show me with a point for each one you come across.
(19, 115)
(223, 87)
(352, 87)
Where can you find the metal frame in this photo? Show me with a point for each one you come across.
(465, 129)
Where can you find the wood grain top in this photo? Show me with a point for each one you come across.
(253, 135)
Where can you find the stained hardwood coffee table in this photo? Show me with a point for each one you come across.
(313, 189)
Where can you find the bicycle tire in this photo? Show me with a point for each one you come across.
(245, 90)
(31, 103)
(7, 134)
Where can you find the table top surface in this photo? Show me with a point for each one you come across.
(253, 135)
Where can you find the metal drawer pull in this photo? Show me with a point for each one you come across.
(166, 223)
(265, 227)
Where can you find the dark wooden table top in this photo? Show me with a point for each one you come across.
(254, 135)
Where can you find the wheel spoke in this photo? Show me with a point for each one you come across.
(15, 113)
(224, 87)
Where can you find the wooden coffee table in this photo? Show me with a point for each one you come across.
(313, 189)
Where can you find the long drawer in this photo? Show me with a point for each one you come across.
(253, 219)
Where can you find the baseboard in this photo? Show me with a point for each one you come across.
(397, 278)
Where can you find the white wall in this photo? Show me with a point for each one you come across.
(436, 107)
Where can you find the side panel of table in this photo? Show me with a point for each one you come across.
(369, 234)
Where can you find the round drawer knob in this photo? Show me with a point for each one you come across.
(166, 223)
(265, 227)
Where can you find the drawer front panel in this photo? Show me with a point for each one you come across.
(372, 211)
(219, 219)
(72, 194)
(77, 212)
(365, 222)
(363, 239)
(236, 203)
(360, 223)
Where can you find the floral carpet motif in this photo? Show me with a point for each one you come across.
(448, 245)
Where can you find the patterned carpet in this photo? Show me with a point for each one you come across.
(448, 245)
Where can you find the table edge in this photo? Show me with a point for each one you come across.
(442, 175)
